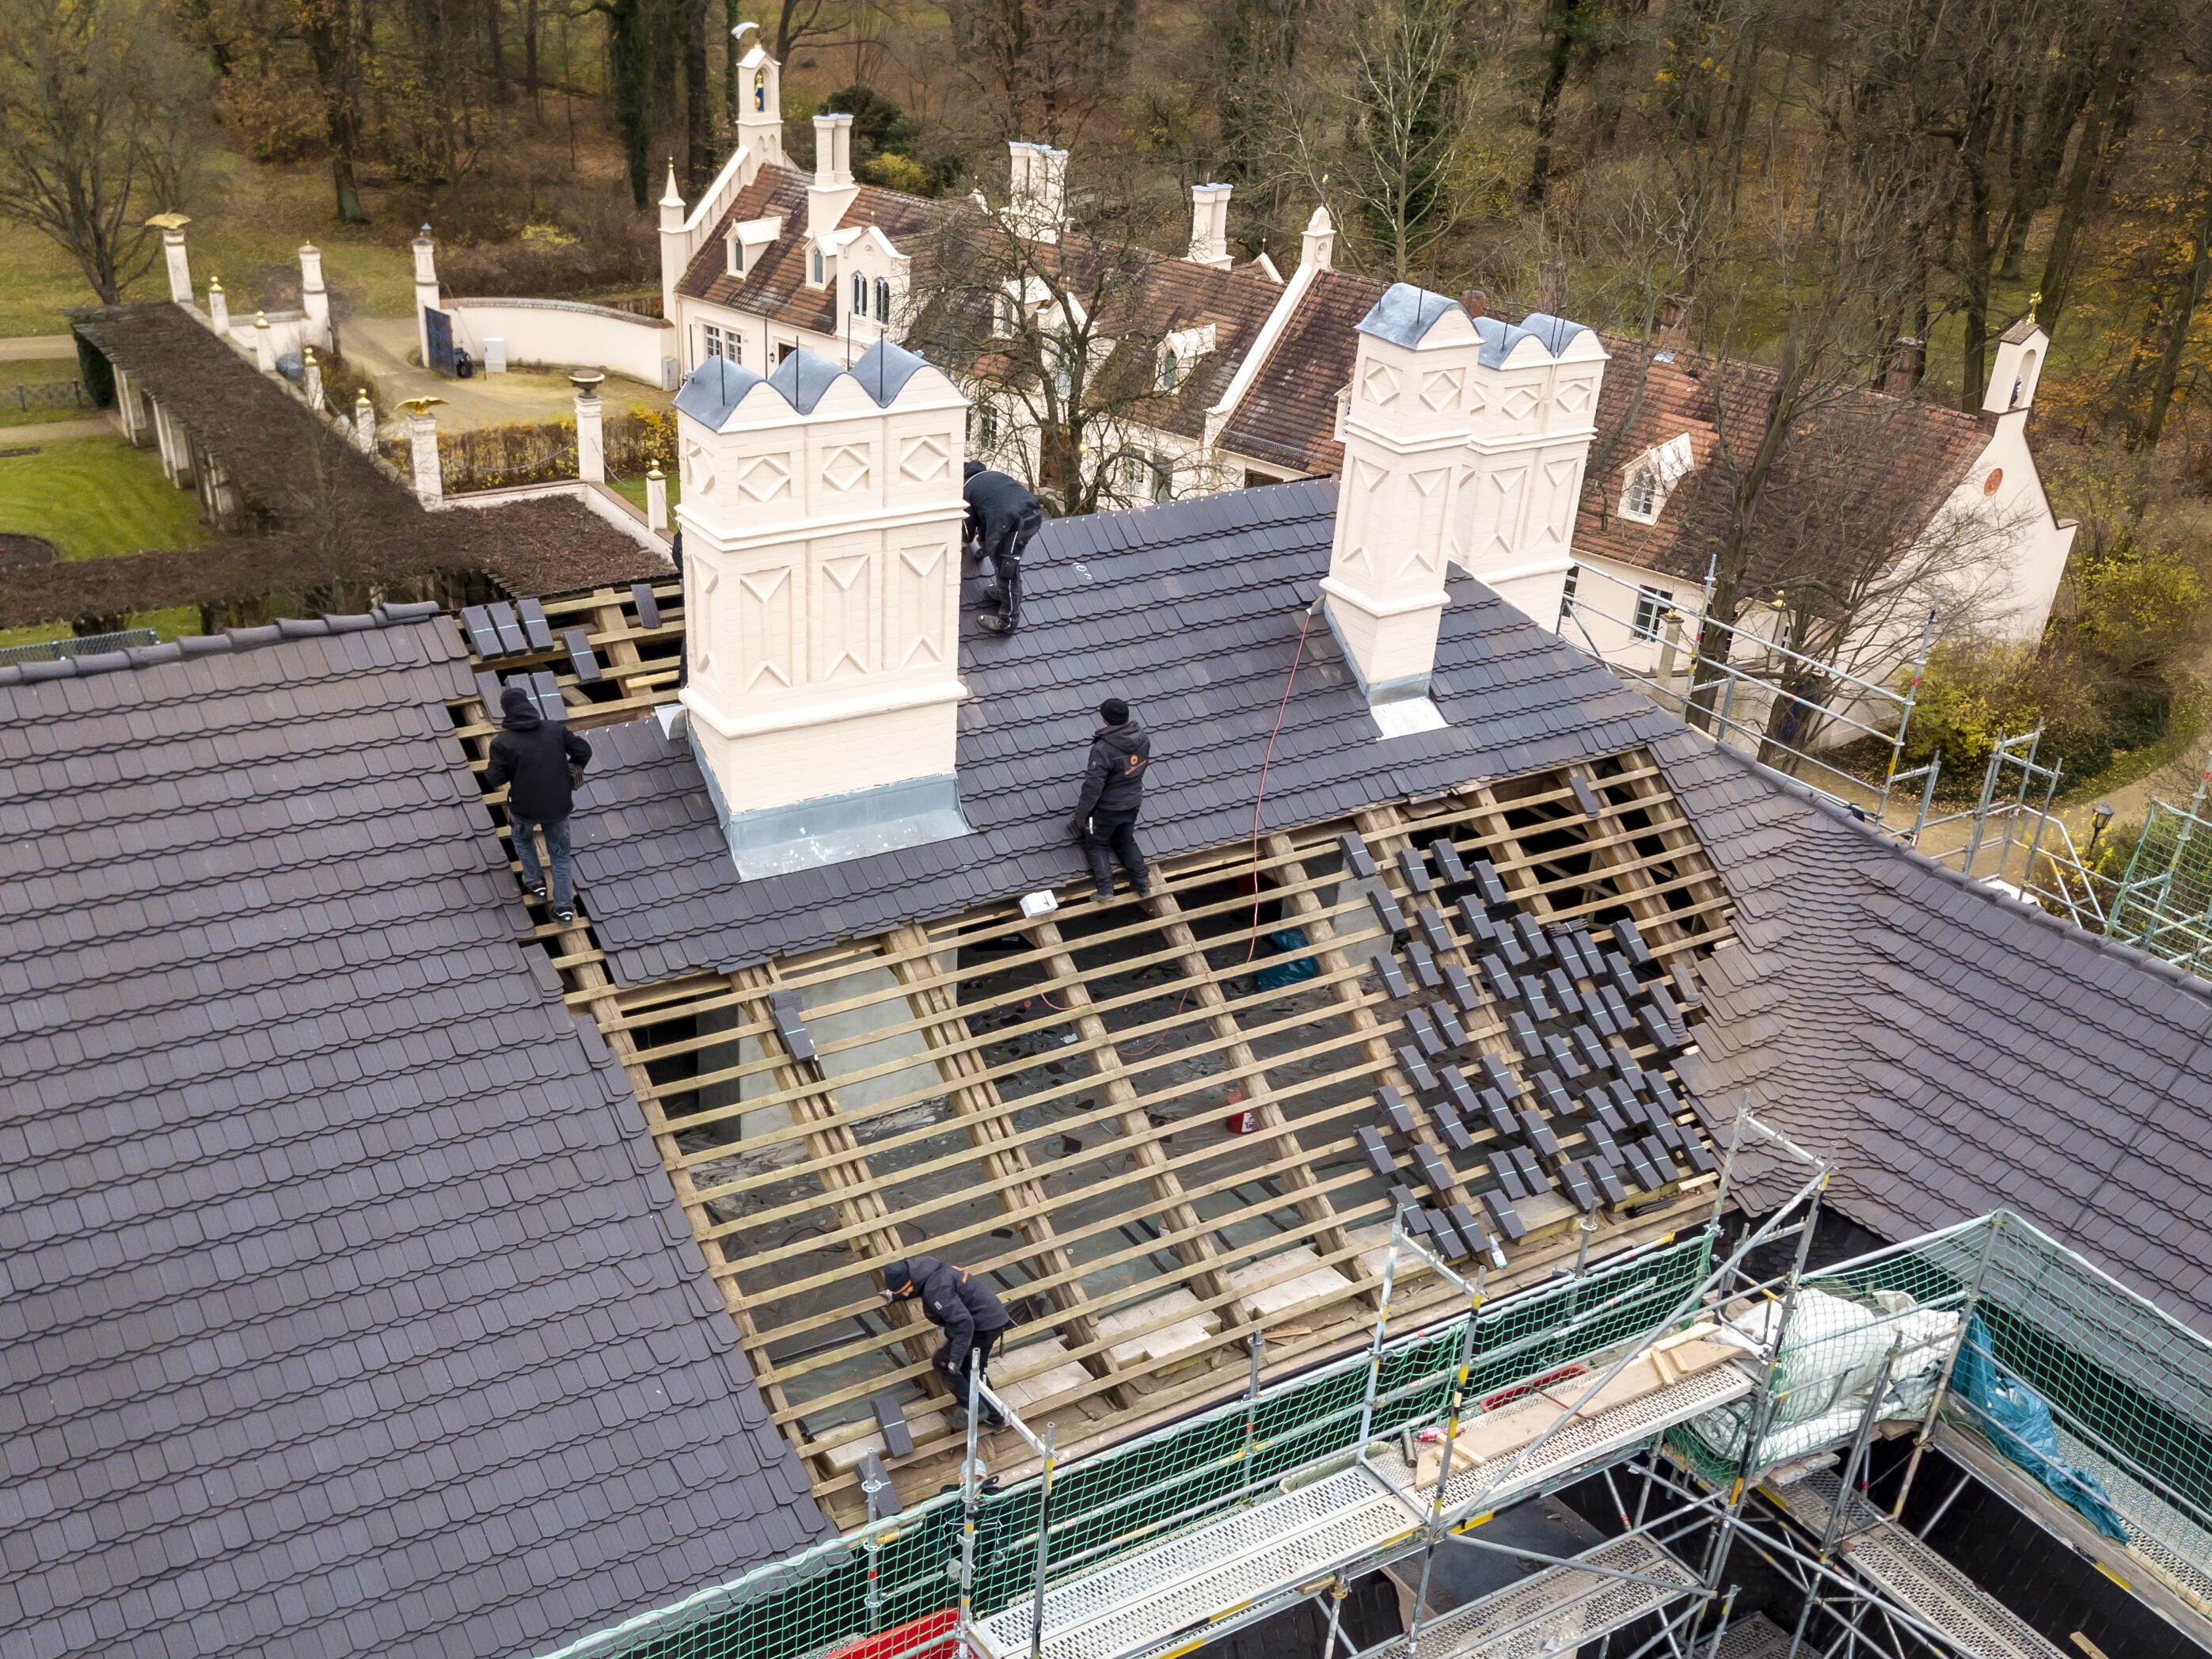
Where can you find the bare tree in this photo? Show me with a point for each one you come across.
(1041, 67)
(1384, 119)
(1058, 341)
(98, 125)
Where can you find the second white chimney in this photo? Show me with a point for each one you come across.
(1209, 225)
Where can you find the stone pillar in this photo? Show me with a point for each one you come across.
(310, 379)
(172, 250)
(264, 345)
(591, 438)
(314, 298)
(423, 450)
(426, 293)
(364, 423)
(656, 499)
(218, 308)
(675, 246)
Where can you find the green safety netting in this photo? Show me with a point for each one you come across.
(883, 1592)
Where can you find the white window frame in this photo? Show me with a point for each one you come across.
(1652, 605)
(710, 342)
(1651, 477)
(1640, 500)
(884, 301)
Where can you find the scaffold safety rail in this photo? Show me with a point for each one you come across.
(1558, 1609)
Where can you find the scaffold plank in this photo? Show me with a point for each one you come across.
(1555, 1611)
(1905, 1570)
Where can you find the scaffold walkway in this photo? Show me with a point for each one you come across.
(1902, 1570)
(1558, 1609)
(1257, 1560)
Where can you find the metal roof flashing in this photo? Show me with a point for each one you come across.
(1405, 314)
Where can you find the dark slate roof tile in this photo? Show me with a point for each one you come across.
(293, 1135)
(1964, 1052)
(1191, 612)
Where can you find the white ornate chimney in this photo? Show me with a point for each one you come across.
(1318, 249)
(1209, 226)
(821, 516)
(832, 189)
(1463, 443)
(314, 298)
(1037, 191)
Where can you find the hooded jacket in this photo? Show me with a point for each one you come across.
(532, 756)
(1113, 781)
(1002, 514)
(958, 1303)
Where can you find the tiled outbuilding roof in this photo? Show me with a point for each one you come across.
(1959, 1050)
(347, 1309)
(1193, 612)
(318, 504)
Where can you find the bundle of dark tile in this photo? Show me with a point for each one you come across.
(1573, 1010)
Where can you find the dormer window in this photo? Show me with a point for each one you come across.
(1652, 476)
(1170, 370)
(1003, 316)
(814, 267)
(1642, 499)
(1179, 354)
(860, 295)
(882, 301)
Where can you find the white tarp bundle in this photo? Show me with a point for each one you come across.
(1830, 1357)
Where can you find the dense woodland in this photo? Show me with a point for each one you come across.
(1856, 196)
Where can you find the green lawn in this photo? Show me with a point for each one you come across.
(248, 222)
(93, 496)
(633, 489)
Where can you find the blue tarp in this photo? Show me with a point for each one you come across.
(1286, 972)
(2015, 1419)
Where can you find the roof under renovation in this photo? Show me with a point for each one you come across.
(352, 1306)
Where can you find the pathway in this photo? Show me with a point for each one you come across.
(53, 432)
(36, 348)
(383, 347)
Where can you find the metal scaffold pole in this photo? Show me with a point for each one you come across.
(1943, 1381)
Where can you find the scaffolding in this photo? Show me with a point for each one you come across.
(1746, 685)
(1383, 1459)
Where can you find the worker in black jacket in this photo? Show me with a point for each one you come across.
(1002, 517)
(532, 756)
(1113, 792)
(963, 1307)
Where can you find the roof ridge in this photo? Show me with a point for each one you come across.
(209, 645)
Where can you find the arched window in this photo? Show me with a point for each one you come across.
(816, 267)
(882, 301)
(1171, 370)
(1641, 501)
(860, 295)
(760, 90)
(1002, 315)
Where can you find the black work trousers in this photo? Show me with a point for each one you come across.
(1115, 833)
(956, 1380)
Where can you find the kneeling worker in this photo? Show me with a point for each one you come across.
(963, 1307)
(1002, 519)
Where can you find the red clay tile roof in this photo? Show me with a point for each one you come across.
(1865, 459)
(1288, 416)
(1178, 294)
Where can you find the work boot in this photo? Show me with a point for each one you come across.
(1104, 896)
(565, 918)
(994, 594)
(994, 621)
(535, 892)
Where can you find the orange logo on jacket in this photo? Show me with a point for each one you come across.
(1135, 761)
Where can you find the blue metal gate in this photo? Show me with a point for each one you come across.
(438, 331)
